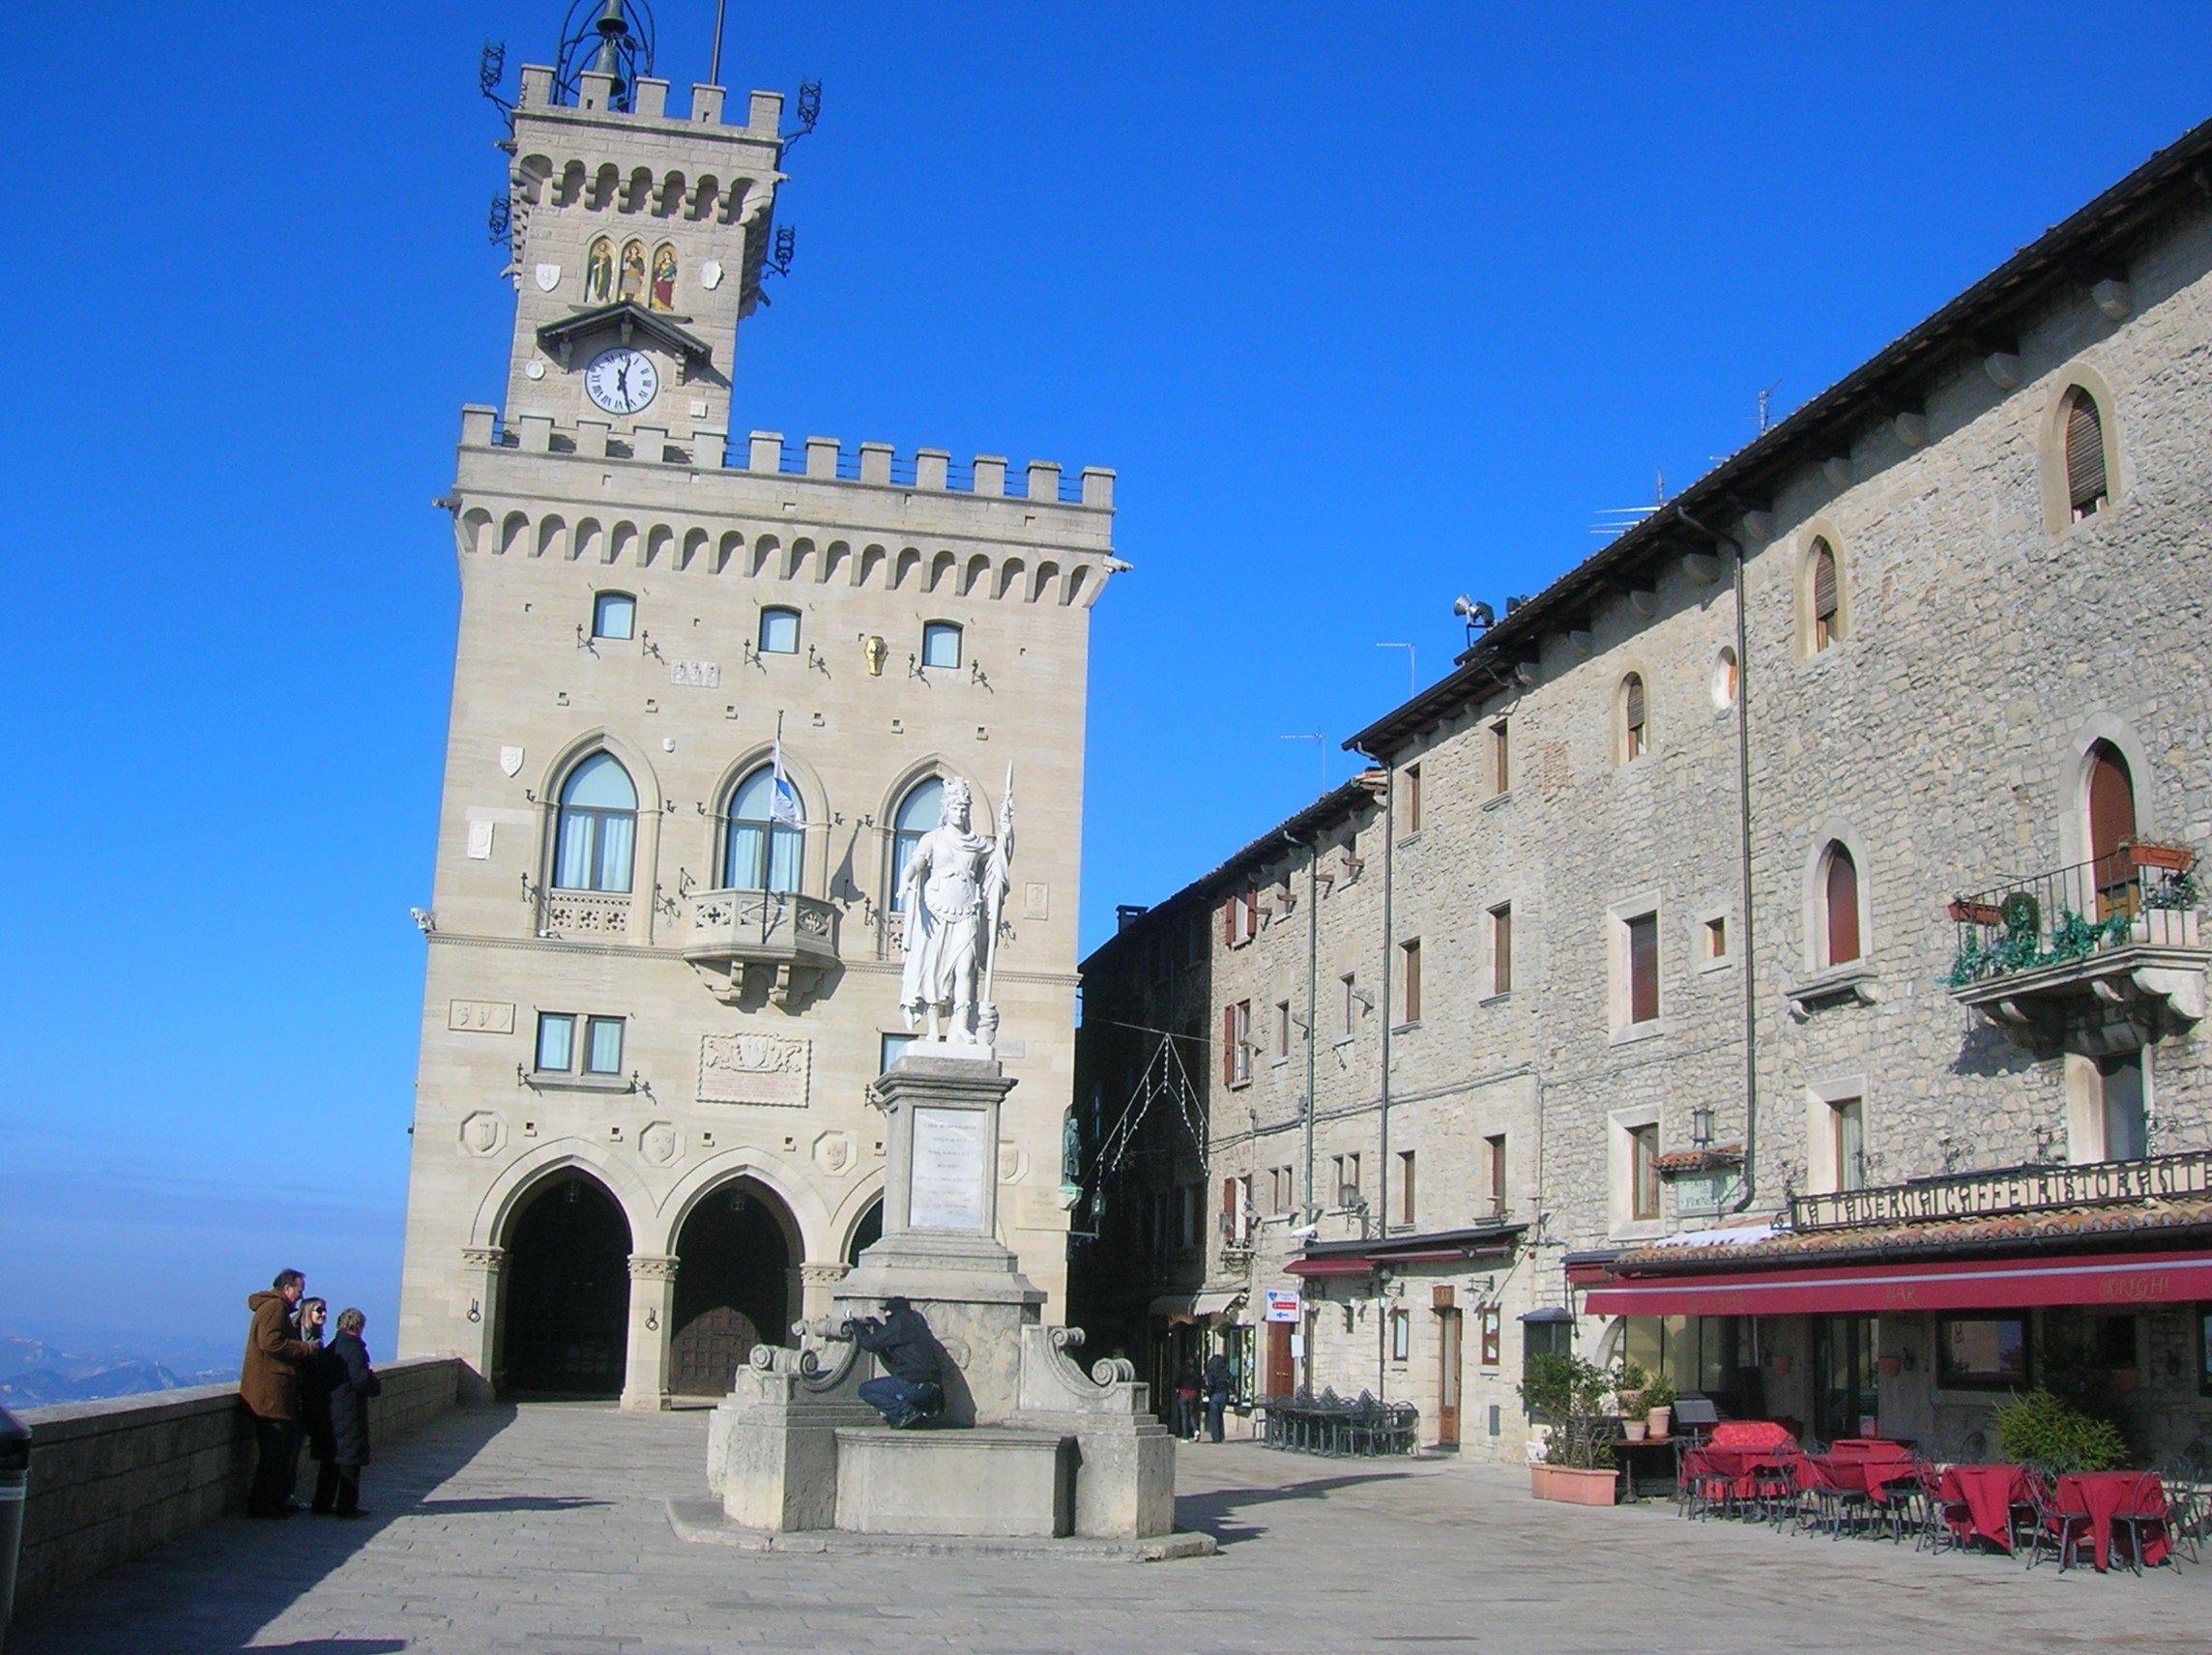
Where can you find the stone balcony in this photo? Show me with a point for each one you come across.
(2103, 955)
(601, 915)
(735, 940)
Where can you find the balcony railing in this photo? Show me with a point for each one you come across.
(726, 932)
(2013, 1189)
(2140, 895)
(585, 914)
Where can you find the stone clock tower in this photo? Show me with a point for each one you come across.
(707, 698)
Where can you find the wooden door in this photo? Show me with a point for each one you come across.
(1447, 1377)
(706, 1353)
(2111, 828)
(1280, 1381)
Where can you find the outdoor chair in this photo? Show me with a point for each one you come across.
(2062, 1531)
(1933, 1518)
(2152, 1516)
(1831, 1502)
(2188, 1505)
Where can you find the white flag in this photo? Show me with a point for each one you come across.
(782, 801)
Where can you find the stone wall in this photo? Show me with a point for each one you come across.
(111, 1479)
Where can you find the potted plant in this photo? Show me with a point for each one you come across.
(1569, 1394)
(1628, 1394)
(2038, 1429)
(2148, 853)
(1892, 1366)
(1659, 1397)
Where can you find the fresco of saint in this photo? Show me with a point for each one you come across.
(600, 273)
(663, 277)
(633, 271)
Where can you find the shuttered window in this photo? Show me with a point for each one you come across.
(1501, 949)
(2085, 485)
(1410, 954)
(1501, 758)
(1413, 810)
(1643, 968)
(1632, 745)
(1229, 1045)
(1843, 906)
(1643, 1172)
(2112, 827)
(1827, 611)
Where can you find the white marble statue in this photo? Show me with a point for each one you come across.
(953, 891)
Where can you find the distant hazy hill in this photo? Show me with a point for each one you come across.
(33, 1374)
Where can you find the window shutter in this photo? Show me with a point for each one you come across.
(1228, 1044)
(1635, 700)
(1843, 906)
(2085, 454)
(2111, 815)
(1823, 583)
(1229, 924)
(1502, 950)
(1644, 968)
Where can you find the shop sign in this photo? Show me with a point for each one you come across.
(1282, 1306)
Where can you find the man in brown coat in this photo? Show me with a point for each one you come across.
(269, 1384)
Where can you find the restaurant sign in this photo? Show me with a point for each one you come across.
(2017, 1189)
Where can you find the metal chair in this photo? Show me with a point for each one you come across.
(2151, 1515)
(2063, 1530)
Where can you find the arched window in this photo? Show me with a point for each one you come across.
(600, 273)
(2086, 489)
(1840, 907)
(1635, 735)
(916, 814)
(2111, 828)
(597, 828)
(633, 286)
(661, 295)
(766, 850)
(940, 644)
(614, 615)
(780, 631)
(1725, 674)
(1824, 599)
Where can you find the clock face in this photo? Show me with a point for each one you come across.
(623, 381)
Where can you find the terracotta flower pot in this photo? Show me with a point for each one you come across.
(2178, 858)
(1892, 1366)
(1571, 1487)
(1633, 1430)
(1662, 1423)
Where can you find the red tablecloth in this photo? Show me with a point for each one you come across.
(1741, 1469)
(1751, 1434)
(1987, 1492)
(1883, 1475)
(1869, 1448)
(2104, 1496)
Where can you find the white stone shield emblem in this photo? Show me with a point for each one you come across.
(548, 278)
(711, 273)
(510, 760)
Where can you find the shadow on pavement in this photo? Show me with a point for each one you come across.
(210, 1591)
(1214, 1511)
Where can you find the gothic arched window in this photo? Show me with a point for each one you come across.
(765, 851)
(2086, 487)
(595, 831)
(916, 814)
(1840, 908)
(1635, 734)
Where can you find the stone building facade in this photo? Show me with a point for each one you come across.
(1804, 886)
(702, 704)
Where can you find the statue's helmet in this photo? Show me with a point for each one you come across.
(957, 796)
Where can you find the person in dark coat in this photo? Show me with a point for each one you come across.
(348, 1381)
(308, 1321)
(907, 1392)
(1216, 1392)
(269, 1384)
(1186, 1400)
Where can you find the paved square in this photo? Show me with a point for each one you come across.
(544, 1530)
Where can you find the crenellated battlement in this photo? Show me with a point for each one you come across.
(818, 459)
(596, 100)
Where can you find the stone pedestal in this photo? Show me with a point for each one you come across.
(1030, 1446)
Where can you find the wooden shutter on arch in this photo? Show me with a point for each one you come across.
(1825, 582)
(2085, 485)
(2111, 817)
(1843, 904)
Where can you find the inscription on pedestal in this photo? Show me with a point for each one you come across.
(952, 1151)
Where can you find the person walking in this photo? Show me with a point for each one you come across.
(348, 1382)
(909, 1392)
(1216, 1392)
(308, 1322)
(1186, 1400)
(269, 1384)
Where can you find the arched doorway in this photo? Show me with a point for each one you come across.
(866, 1233)
(2111, 828)
(733, 1287)
(566, 1315)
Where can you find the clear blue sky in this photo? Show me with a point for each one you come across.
(1369, 305)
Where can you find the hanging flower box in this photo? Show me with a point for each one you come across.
(2178, 858)
(1966, 913)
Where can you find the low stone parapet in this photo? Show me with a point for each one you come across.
(114, 1478)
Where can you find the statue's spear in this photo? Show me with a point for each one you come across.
(997, 896)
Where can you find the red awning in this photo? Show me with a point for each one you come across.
(2112, 1279)
(1329, 1267)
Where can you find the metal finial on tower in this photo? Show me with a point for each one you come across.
(613, 38)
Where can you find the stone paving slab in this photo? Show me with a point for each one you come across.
(545, 1531)
(701, 1520)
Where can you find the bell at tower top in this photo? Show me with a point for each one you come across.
(638, 235)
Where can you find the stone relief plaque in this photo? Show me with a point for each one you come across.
(697, 675)
(661, 1142)
(770, 1069)
(482, 1016)
(480, 841)
(950, 1157)
(834, 1153)
(483, 1133)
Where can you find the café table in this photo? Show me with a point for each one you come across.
(2104, 1496)
(1988, 1493)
